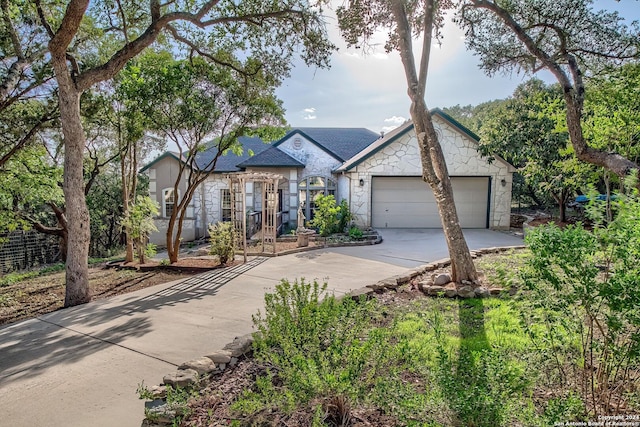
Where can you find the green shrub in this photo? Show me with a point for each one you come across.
(318, 346)
(222, 240)
(355, 233)
(330, 218)
(586, 284)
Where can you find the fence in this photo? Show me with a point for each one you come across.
(21, 250)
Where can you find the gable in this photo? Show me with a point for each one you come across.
(340, 143)
(458, 143)
(399, 154)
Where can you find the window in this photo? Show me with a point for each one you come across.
(225, 205)
(168, 202)
(312, 187)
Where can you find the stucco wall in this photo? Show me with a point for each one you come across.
(163, 175)
(402, 158)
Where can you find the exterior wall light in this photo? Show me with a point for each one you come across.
(361, 182)
(503, 182)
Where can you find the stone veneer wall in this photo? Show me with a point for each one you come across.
(402, 158)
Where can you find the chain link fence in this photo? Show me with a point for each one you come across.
(22, 250)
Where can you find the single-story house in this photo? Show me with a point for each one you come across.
(379, 176)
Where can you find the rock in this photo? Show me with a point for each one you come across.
(481, 292)
(423, 285)
(365, 292)
(378, 286)
(159, 391)
(442, 279)
(233, 361)
(202, 365)
(466, 292)
(467, 283)
(513, 290)
(158, 411)
(435, 290)
(450, 290)
(222, 366)
(404, 277)
(495, 291)
(181, 378)
(391, 283)
(220, 356)
(239, 346)
(428, 267)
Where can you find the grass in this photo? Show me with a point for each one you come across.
(13, 278)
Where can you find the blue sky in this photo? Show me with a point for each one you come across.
(370, 90)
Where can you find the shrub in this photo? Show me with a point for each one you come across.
(222, 240)
(317, 344)
(355, 233)
(330, 218)
(587, 284)
(140, 224)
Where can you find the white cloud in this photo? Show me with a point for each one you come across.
(397, 120)
(387, 129)
(309, 113)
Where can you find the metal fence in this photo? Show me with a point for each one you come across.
(22, 250)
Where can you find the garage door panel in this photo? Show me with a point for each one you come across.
(407, 202)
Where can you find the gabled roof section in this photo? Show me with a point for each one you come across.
(399, 132)
(166, 154)
(272, 157)
(228, 161)
(341, 143)
(376, 146)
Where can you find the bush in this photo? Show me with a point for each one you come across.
(355, 233)
(317, 344)
(330, 218)
(588, 283)
(222, 240)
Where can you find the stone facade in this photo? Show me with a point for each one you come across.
(395, 155)
(401, 157)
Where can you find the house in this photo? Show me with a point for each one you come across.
(379, 176)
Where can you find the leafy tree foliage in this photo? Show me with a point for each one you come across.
(140, 222)
(85, 43)
(200, 106)
(567, 38)
(528, 131)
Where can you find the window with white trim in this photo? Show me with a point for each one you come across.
(312, 187)
(168, 202)
(225, 205)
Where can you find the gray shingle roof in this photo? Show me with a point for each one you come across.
(228, 162)
(271, 157)
(342, 143)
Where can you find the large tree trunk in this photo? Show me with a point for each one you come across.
(434, 167)
(437, 176)
(77, 214)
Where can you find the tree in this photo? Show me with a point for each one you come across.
(202, 109)
(567, 38)
(140, 223)
(90, 43)
(404, 19)
(528, 131)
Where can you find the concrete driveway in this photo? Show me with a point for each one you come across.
(81, 366)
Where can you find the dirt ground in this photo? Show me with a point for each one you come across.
(44, 294)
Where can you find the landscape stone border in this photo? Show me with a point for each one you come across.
(158, 413)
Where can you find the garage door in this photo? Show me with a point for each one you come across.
(407, 202)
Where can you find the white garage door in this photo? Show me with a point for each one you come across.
(407, 202)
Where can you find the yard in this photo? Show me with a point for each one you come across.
(405, 359)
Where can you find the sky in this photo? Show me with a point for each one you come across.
(370, 90)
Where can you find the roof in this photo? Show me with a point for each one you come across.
(341, 143)
(251, 145)
(400, 131)
(271, 157)
(170, 154)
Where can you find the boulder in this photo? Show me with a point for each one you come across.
(220, 356)
(450, 290)
(466, 292)
(481, 292)
(181, 378)
(442, 279)
(202, 365)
